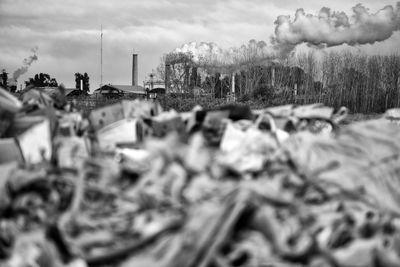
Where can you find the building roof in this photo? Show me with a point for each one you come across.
(127, 89)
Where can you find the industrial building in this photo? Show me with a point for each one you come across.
(113, 90)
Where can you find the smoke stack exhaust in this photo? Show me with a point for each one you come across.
(134, 69)
(26, 63)
(329, 28)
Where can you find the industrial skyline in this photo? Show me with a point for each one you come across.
(68, 34)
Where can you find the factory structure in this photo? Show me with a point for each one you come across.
(182, 75)
(133, 89)
(225, 81)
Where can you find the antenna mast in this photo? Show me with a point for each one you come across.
(101, 56)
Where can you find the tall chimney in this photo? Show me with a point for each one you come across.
(233, 83)
(134, 69)
(273, 75)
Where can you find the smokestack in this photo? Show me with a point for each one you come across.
(233, 83)
(273, 75)
(134, 69)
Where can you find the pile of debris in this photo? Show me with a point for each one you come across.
(133, 185)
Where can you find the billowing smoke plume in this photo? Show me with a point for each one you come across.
(213, 59)
(210, 53)
(26, 63)
(202, 51)
(330, 28)
(326, 29)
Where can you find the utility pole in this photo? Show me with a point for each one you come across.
(101, 56)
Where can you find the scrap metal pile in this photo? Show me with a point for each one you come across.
(132, 185)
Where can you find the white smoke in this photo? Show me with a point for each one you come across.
(327, 28)
(202, 51)
(211, 54)
(26, 63)
(330, 28)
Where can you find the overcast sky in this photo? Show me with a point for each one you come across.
(67, 32)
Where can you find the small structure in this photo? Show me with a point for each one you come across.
(154, 88)
(111, 90)
(153, 93)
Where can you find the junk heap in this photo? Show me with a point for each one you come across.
(132, 185)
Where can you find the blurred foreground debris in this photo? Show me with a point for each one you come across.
(132, 185)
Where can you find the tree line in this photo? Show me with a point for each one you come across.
(42, 80)
(45, 80)
(363, 83)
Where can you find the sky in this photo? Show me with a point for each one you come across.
(66, 33)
